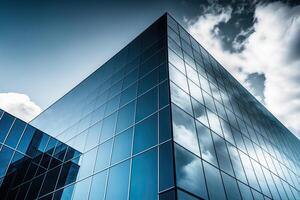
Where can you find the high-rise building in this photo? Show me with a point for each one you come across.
(162, 119)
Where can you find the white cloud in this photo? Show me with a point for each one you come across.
(272, 48)
(19, 105)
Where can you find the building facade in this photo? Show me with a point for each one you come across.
(162, 119)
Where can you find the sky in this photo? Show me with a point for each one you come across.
(48, 47)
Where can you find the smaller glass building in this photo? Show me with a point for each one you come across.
(33, 163)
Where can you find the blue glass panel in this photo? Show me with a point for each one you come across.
(168, 195)
(163, 94)
(148, 82)
(144, 170)
(231, 187)
(145, 134)
(117, 186)
(5, 156)
(98, 186)
(122, 146)
(15, 133)
(26, 139)
(68, 174)
(125, 117)
(166, 166)
(103, 155)
(93, 136)
(189, 172)
(164, 124)
(128, 95)
(5, 124)
(181, 195)
(245, 191)
(87, 164)
(214, 182)
(108, 127)
(82, 189)
(147, 104)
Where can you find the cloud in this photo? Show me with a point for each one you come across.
(19, 105)
(271, 47)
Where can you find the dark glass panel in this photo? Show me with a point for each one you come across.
(147, 104)
(122, 146)
(166, 179)
(5, 124)
(15, 133)
(145, 134)
(164, 124)
(144, 170)
(125, 117)
(5, 156)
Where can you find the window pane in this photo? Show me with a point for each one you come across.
(144, 170)
(166, 179)
(148, 82)
(245, 191)
(122, 146)
(196, 92)
(117, 186)
(249, 171)
(231, 187)
(145, 134)
(178, 78)
(26, 139)
(222, 154)
(206, 144)
(103, 155)
(214, 182)
(175, 60)
(164, 124)
(185, 196)
(184, 131)
(98, 186)
(125, 117)
(5, 124)
(200, 112)
(180, 98)
(82, 189)
(87, 164)
(108, 127)
(128, 94)
(93, 136)
(15, 133)
(5, 156)
(189, 172)
(147, 104)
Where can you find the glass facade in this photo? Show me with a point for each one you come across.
(162, 119)
(33, 163)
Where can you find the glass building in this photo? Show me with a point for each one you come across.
(33, 163)
(162, 119)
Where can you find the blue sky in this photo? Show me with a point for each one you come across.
(48, 47)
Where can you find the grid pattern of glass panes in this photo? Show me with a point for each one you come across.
(119, 117)
(31, 162)
(227, 145)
